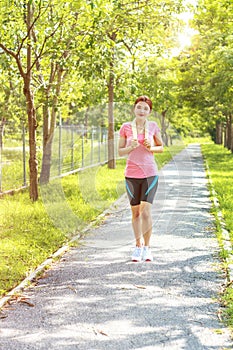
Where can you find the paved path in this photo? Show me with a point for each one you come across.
(97, 299)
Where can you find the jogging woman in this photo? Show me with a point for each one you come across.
(139, 140)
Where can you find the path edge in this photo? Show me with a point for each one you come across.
(46, 264)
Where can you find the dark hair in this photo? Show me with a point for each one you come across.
(144, 99)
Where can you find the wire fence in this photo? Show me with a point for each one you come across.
(74, 148)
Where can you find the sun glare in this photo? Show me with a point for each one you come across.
(184, 38)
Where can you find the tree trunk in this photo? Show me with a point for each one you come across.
(49, 125)
(2, 125)
(111, 139)
(218, 133)
(225, 134)
(229, 131)
(86, 122)
(32, 125)
(47, 147)
(46, 162)
(31, 113)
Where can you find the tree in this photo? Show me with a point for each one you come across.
(127, 30)
(11, 101)
(45, 37)
(66, 40)
(204, 71)
(25, 70)
(83, 53)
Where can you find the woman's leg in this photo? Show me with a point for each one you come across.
(146, 222)
(142, 223)
(136, 223)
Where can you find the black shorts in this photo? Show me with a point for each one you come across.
(141, 189)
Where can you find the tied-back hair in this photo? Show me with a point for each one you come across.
(144, 98)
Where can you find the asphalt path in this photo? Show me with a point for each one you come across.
(95, 298)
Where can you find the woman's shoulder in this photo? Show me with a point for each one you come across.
(152, 123)
(154, 126)
(126, 125)
(126, 128)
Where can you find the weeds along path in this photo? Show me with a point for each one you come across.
(96, 298)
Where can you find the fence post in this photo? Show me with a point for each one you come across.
(24, 157)
(105, 145)
(92, 144)
(99, 144)
(72, 147)
(82, 150)
(60, 148)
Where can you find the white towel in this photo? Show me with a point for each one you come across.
(134, 129)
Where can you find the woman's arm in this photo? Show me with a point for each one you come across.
(158, 148)
(122, 150)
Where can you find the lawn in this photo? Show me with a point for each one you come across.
(220, 164)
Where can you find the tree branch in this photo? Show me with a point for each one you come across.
(29, 29)
(16, 57)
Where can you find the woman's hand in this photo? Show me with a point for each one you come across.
(157, 148)
(134, 143)
(147, 144)
(124, 150)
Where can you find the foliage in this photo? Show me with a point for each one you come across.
(195, 87)
(68, 49)
(204, 79)
(79, 37)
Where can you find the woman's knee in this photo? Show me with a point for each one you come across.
(135, 211)
(146, 211)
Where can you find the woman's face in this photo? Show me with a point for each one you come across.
(141, 110)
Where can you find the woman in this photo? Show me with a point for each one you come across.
(139, 139)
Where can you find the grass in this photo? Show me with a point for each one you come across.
(31, 232)
(11, 169)
(220, 163)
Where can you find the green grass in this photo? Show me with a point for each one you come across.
(12, 169)
(27, 238)
(201, 140)
(31, 232)
(220, 163)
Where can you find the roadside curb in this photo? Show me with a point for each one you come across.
(227, 246)
(58, 254)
